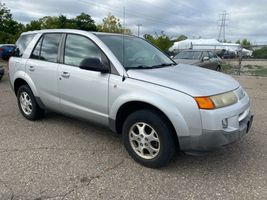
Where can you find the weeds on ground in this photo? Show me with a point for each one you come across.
(254, 70)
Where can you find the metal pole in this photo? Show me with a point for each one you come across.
(239, 62)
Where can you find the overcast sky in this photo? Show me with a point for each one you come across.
(194, 18)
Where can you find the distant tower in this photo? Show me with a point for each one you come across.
(222, 25)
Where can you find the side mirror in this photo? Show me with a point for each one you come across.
(93, 64)
(172, 57)
(205, 58)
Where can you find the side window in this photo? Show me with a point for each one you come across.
(211, 55)
(37, 50)
(49, 48)
(205, 54)
(78, 48)
(22, 44)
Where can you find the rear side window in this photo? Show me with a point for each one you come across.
(205, 54)
(189, 55)
(47, 47)
(22, 44)
(212, 55)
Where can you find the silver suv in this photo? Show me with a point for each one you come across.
(128, 85)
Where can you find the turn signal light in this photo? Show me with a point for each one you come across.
(204, 103)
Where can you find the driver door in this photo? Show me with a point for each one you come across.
(83, 93)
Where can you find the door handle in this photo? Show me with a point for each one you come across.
(65, 74)
(31, 68)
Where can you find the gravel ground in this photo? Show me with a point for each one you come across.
(60, 158)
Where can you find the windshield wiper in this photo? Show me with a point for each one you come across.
(163, 65)
(139, 67)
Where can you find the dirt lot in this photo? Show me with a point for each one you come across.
(62, 158)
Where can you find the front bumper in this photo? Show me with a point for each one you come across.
(214, 139)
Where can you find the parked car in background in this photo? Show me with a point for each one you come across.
(229, 55)
(2, 72)
(131, 87)
(6, 51)
(201, 58)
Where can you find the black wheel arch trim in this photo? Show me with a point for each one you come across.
(38, 99)
(40, 103)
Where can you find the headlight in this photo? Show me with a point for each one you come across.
(216, 101)
(225, 99)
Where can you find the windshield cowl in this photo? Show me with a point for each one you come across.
(151, 67)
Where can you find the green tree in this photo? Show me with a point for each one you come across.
(180, 38)
(49, 22)
(33, 25)
(161, 41)
(5, 16)
(260, 53)
(9, 28)
(238, 42)
(111, 24)
(84, 22)
(245, 43)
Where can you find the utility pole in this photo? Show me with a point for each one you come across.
(138, 29)
(222, 25)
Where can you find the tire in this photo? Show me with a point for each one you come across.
(28, 105)
(151, 149)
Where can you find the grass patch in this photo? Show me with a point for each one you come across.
(260, 72)
(254, 70)
(227, 68)
(248, 66)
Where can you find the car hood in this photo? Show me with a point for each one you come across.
(187, 61)
(195, 81)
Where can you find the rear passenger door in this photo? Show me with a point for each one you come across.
(42, 67)
(83, 93)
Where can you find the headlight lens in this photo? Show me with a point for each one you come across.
(216, 101)
(225, 99)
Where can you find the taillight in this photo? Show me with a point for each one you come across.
(1, 50)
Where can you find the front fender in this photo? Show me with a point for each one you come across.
(180, 108)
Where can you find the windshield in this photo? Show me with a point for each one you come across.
(137, 54)
(193, 55)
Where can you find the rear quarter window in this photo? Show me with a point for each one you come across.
(22, 43)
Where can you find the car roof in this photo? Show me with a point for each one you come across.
(67, 31)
